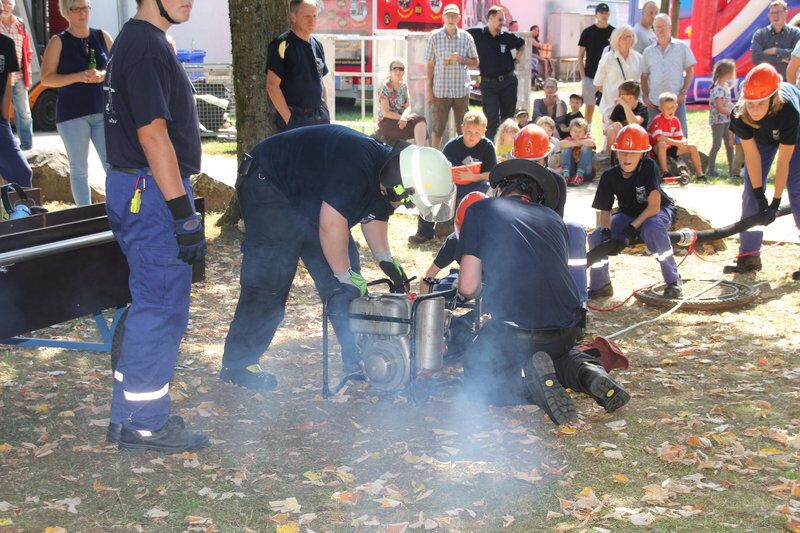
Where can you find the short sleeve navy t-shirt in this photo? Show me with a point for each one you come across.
(618, 114)
(8, 61)
(494, 52)
(595, 40)
(327, 163)
(145, 82)
(781, 128)
(523, 251)
(631, 193)
(447, 252)
(301, 66)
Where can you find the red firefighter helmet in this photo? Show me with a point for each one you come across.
(532, 142)
(465, 202)
(761, 83)
(632, 138)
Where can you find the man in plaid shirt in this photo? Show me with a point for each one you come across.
(450, 54)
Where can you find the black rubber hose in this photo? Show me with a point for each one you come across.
(682, 237)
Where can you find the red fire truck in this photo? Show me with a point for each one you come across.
(372, 18)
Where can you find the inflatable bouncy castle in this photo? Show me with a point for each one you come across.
(719, 29)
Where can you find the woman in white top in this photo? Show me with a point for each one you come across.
(621, 63)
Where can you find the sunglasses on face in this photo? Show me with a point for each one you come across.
(399, 69)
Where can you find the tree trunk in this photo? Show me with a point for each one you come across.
(254, 23)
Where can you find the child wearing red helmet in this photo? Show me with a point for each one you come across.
(644, 208)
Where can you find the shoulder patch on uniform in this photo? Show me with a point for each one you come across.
(282, 49)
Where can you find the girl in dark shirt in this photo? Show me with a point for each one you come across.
(766, 121)
(74, 62)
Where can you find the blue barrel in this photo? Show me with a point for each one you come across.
(193, 57)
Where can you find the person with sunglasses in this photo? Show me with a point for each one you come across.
(75, 63)
(395, 118)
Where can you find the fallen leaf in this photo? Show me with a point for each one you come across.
(42, 408)
(671, 452)
(612, 454)
(54, 529)
(621, 478)
(70, 504)
(508, 520)
(99, 487)
(291, 527)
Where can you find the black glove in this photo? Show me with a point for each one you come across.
(188, 230)
(396, 274)
(631, 233)
(605, 234)
(761, 198)
(771, 212)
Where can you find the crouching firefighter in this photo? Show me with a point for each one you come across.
(300, 192)
(525, 352)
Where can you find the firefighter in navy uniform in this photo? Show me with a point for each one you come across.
(300, 192)
(513, 252)
(153, 144)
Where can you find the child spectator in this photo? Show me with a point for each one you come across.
(522, 117)
(575, 103)
(504, 140)
(719, 113)
(629, 110)
(666, 136)
(549, 125)
(468, 148)
(577, 158)
(644, 209)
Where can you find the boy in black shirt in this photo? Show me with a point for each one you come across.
(629, 110)
(643, 208)
(575, 103)
(469, 148)
(13, 165)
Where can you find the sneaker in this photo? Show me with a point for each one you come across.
(419, 239)
(673, 291)
(540, 377)
(171, 438)
(748, 263)
(603, 292)
(606, 392)
(251, 377)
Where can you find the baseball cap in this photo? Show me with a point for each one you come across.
(601, 7)
(451, 8)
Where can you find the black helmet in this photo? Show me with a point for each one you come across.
(527, 176)
(390, 175)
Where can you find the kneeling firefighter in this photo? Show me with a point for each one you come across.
(300, 192)
(525, 352)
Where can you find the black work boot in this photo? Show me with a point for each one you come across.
(603, 292)
(115, 429)
(673, 291)
(172, 438)
(606, 392)
(540, 377)
(748, 263)
(251, 377)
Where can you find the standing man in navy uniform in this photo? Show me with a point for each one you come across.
(13, 166)
(153, 144)
(295, 68)
(513, 249)
(296, 206)
(498, 80)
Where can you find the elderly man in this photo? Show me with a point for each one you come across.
(591, 45)
(668, 67)
(13, 27)
(773, 44)
(450, 53)
(498, 80)
(295, 68)
(645, 36)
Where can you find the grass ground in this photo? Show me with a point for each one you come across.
(708, 442)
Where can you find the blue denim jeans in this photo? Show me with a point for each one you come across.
(583, 166)
(22, 114)
(76, 134)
